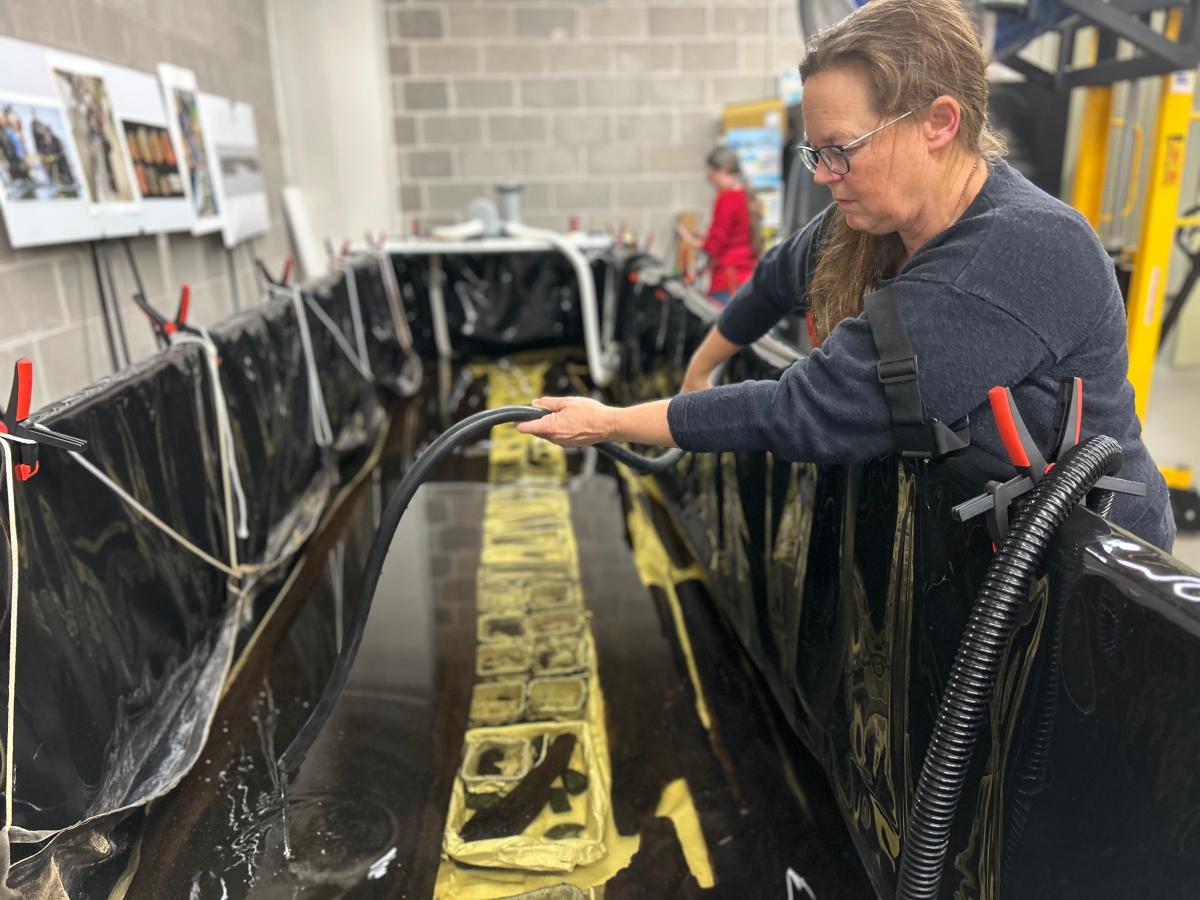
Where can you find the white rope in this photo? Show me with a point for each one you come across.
(339, 338)
(356, 316)
(13, 592)
(391, 289)
(231, 477)
(159, 523)
(322, 430)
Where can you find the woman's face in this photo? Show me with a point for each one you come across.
(889, 172)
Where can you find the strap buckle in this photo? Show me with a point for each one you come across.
(891, 371)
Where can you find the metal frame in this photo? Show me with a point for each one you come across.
(1119, 19)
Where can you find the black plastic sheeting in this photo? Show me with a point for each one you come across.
(497, 303)
(849, 587)
(125, 638)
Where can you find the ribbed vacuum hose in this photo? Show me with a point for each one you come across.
(990, 627)
(465, 431)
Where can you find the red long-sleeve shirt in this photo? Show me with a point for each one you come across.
(728, 243)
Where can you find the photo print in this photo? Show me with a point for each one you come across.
(240, 170)
(35, 158)
(204, 197)
(155, 168)
(97, 136)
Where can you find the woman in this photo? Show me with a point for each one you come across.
(996, 281)
(732, 240)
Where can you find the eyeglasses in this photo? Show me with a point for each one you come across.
(834, 156)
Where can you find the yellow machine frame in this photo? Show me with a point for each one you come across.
(1160, 217)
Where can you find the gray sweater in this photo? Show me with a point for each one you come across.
(1018, 292)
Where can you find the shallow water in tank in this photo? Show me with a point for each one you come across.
(366, 812)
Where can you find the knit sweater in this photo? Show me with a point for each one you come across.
(1017, 292)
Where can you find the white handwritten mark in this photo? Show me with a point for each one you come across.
(798, 887)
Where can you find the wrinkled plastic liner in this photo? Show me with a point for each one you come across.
(126, 638)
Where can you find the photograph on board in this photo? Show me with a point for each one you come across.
(96, 136)
(241, 172)
(34, 160)
(204, 198)
(155, 167)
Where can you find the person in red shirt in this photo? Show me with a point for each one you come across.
(732, 242)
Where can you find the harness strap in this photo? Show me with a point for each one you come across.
(897, 371)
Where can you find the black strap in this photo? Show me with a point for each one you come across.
(897, 372)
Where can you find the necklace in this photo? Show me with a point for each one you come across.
(954, 213)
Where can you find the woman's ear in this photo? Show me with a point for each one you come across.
(941, 122)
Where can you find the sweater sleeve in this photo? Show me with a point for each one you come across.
(779, 286)
(829, 407)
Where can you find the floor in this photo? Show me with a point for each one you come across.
(1172, 432)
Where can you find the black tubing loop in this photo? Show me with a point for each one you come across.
(990, 627)
(467, 430)
(645, 465)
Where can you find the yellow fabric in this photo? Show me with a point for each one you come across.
(656, 570)
(529, 540)
(676, 804)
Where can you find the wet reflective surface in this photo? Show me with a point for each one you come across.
(367, 811)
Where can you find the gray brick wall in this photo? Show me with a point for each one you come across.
(604, 108)
(49, 307)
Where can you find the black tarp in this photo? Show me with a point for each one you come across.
(125, 637)
(849, 588)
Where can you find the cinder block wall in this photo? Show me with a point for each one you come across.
(605, 109)
(49, 306)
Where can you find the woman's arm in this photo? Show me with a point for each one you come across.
(713, 350)
(579, 421)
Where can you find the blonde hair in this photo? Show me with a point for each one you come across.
(911, 52)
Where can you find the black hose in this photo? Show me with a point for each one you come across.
(646, 465)
(990, 627)
(466, 430)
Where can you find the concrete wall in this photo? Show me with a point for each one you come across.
(605, 108)
(49, 306)
(331, 77)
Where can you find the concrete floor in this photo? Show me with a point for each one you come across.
(1172, 432)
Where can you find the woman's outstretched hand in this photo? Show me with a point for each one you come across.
(572, 422)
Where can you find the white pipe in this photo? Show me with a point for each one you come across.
(462, 232)
(600, 367)
(437, 304)
(480, 246)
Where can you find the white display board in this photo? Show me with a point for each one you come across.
(42, 190)
(187, 131)
(82, 85)
(157, 166)
(232, 141)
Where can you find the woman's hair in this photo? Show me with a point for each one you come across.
(725, 159)
(911, 52)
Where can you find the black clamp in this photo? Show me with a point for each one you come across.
(164, 327)
(1025, 456)
(26, 440)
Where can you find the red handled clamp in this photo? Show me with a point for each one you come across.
(164, 327)
(282, 281)
(26, 439)
(1025, 455)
